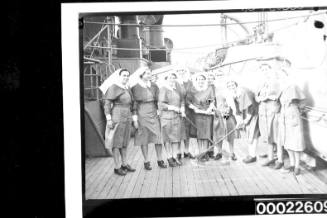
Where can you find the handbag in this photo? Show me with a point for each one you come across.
(109, 138)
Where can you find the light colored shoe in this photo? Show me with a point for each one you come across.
(249, 159)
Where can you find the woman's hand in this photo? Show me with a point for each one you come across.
(199, 111)
(182, 111)
(191, 106)
(240, 124)
(110, 124)
(135, 124)
(173, 108)
(176, 109)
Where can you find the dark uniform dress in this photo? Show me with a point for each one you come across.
(190, 131)
(171, 121)
(291, 126)
(118, 103)
(202, 100)
(269, 108)
(225, 120)
(246, 104)
(145, 106)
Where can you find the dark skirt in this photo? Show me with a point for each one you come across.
(268, 121)
(230, 126)
(171, 127)
(122, 117)
(291, 129)
(149, 125)
(204, 125)
(252, 130)
(189, 129)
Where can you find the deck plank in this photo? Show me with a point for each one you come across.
(193, 179)
(111, 180)
(134, 156)
(139, 167)
(149, 179)
(168, 190)
(312, 182)
(183, 181)
(198, 181)
(215, 189)
(139, 183)
(101, 178)
(221, 186)
(230, 187)
(99, 171)
(270, 181)
(160, 191)
(318, 181)
(155, 175)
(175, 188)
(190, 179)
(258, 187)
(91, 164)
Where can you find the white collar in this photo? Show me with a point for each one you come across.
(121, 85)
(169, 87)
(146, 84)
(200, 89)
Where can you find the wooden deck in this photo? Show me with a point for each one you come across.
(214, 178)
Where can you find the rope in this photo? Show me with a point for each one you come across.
(204, 25)
(316, 109)
(313, 121)
(163, 49)
(199, 156)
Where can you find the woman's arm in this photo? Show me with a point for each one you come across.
(163, 102)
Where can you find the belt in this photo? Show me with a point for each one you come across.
(269, 100)
(122, 105)
(146, 102)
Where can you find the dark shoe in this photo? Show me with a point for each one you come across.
(288, 169)
(233, 157)
(128, 168)
(189, 155)
(120, 172)
(206, 157)
(186, 155)
(249, 159)
(297, 171)
(171, 162)
(211, 154)
(179, 157)
(218, 156)
(162, 164)
(278, 165)
(147, 166)
(268, 163)
(203, 159)
(178, 162)
(263, 155)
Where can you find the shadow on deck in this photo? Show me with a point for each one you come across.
(214, 178)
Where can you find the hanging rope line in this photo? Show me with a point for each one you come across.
(204, 25)
(214, 46)
(316, 109)
(313, 121)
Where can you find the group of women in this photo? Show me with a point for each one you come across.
(196, 108)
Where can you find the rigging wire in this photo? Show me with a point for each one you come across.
(197, 47)
(313, 121)
(204, 25)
